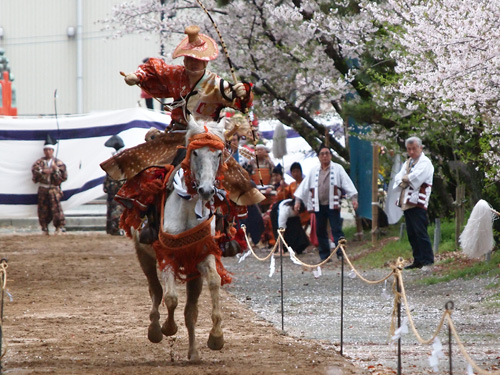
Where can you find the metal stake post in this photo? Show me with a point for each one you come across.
(398, 288)
(342, 308)
(449, 349)
(449, 306)
(281, 272)
(437, 236)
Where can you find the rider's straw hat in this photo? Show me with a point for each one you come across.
(196, 45)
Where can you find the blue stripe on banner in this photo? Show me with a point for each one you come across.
(268, 134)
(98, 131)
(15, 199)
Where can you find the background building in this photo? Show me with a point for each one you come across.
(59, 44)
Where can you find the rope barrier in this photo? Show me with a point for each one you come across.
(394, 314)
(400, 260)
(340, 245)
(273, 250)
(464, 351)
(410, 318)
(396, 271)
(297, 260)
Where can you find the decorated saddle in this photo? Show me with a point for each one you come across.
(162, 149)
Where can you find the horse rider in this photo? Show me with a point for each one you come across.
(195, 91)
(193, 88)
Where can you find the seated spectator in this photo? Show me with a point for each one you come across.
(284, 216)
(296, 171)
(279, 184)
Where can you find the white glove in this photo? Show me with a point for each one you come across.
(131, 79)
(240, 90)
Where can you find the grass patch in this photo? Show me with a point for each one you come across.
(450, 264)
(388, 248)
(494, 300)
(349, 232)
(447, 231)
(461, 268)
(379, 257)
(494, 285)
(391, 247)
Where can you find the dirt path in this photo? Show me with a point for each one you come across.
(80, 306)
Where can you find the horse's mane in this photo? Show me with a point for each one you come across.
(244, 126)
(213, 127)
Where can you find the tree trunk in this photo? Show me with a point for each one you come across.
(459, 212)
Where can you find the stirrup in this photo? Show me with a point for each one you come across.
(148, 235)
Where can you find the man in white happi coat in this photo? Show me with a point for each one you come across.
(325, 184)
(414, 183)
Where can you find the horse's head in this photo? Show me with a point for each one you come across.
(205, 147)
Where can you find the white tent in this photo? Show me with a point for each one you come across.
(80, 147)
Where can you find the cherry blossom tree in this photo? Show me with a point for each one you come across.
(298, 53)
(403, 66)
(448, 66)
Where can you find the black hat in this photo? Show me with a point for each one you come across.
(115, 141)
(295, 165)
(50, 142)
(278, 169)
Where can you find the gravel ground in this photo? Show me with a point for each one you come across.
(312, 309)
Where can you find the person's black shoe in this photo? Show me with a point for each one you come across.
(339, 254)
(414, 266)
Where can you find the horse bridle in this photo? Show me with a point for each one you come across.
(195, 142)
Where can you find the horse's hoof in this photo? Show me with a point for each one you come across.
(154, 333)
(193, 356)
(215, 342)
(169, 330)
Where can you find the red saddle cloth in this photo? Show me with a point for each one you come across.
(183, 252)
(141, 191)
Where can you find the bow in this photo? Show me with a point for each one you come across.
(233, 75)
(224, 47)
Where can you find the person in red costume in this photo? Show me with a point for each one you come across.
(194, 89)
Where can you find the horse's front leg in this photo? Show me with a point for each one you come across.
(147, 260)
(209, 270)
(193, 291)
(169, 328)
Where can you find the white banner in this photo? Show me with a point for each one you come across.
(393, 212)
(80, 147)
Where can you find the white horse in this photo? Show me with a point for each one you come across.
(180, 215)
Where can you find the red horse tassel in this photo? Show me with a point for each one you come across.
(182, 252)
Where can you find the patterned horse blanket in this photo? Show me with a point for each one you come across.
(162, 149)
